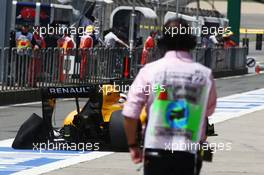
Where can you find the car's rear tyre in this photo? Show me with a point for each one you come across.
(117, 132)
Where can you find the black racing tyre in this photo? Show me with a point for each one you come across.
(117, 132)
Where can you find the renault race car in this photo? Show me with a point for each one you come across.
(107, 124)
(99, 120)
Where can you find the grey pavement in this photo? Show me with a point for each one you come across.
(247, 137)
(13, 117)
(245, 158)
(114, 164)
(245, 133)
(229, 86)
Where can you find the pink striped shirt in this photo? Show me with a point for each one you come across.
(140, 93)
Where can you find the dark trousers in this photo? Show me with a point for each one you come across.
(167, 163)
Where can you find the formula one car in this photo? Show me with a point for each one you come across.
(98, 121)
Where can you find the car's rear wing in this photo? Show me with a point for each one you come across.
(87, 91)
(92, 92)
(69, 92)
(50, 94)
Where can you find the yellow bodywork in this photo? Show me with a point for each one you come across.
(110, 104)
(68, 120)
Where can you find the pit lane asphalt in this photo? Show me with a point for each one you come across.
(119, 163)
(245, 157)
(245, 134)
(12, 117)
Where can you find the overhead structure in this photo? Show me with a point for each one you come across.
(131, 2)
(147, 12)
(181, 3)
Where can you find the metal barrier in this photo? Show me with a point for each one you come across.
(199, 55)
(24, 69)
(239, 58)
(219, 59)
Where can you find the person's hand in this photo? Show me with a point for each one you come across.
(136, 154)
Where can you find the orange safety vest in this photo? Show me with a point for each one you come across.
(86, 42)
(40, 41)
(229, 43)
(149, 43)
(65, 43)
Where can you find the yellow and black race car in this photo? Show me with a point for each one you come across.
(98, 121)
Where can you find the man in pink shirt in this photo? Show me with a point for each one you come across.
(178, 94)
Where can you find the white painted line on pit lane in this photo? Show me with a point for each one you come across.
(6, 143)
(238, 105)
(28, 162)
(63, 163)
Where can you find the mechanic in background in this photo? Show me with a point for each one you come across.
(23, 44)
(174, 80)
(110, 39)
(23, 38)
(228, 42)
(35, 63)
(85, 44)
(149, 44)
(65, 43)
